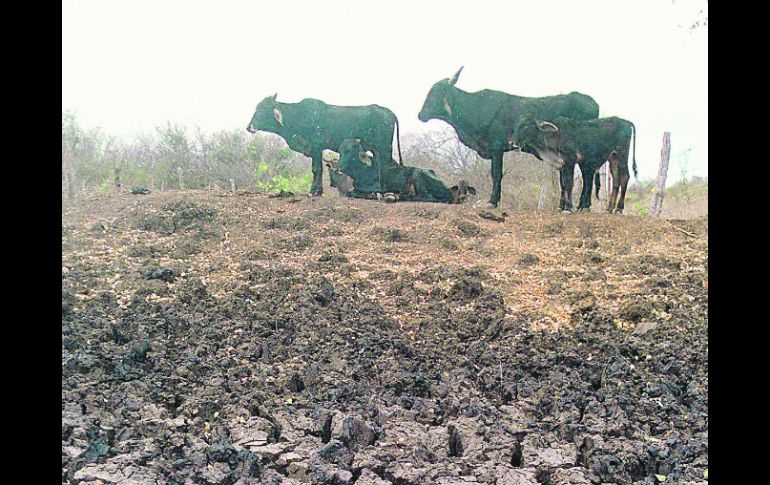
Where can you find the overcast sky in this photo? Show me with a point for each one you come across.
(129, 66)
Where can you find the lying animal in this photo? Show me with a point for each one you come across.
(373, 177)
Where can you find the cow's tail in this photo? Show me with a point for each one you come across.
(633, 131)
(398, 143)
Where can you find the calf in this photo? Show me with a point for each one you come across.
(410, 183)
(588, 143)
(461, 191)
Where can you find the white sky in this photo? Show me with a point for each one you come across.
(128, 66)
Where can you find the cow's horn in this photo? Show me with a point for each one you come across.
(275, 96)
(457, 75)
(546, 126)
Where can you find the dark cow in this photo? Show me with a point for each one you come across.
(589, 143)
(311, 126)
(485, 121)
(368, 179)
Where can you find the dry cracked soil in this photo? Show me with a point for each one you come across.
(232, 338)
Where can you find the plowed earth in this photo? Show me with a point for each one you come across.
(219, 338)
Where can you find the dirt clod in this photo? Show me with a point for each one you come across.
(528, 259)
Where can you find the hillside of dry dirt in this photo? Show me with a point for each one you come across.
(219, 338)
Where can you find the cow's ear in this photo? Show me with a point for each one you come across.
(456, 76)
(547, 127)
(447, 106)
(472, 190)
(454, 188)
(278, 116)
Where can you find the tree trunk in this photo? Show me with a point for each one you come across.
(181, 181)
(660, 182)
(69, 180)
(117, 177)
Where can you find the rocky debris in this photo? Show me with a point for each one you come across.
(491, 216)
(113, 473)
(467, 229)
(163, 274)
(645, 327)
(637, 310)
(528, 259)
(355, 433)
(368, 477)
(254, 432)
(466, 288)
(583, 301)
(536, 454)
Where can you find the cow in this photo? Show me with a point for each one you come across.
(311, 126)
(485, 121)
(588, 143)
(368, 179)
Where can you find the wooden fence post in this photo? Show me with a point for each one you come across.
(660, 182)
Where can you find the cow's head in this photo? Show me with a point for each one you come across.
(353, 151)
(534, 136)
(267, 116)
(461, 191)
(343, 182)
(437, 104)
(541, 139)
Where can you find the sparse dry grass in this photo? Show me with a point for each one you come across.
(592, 254)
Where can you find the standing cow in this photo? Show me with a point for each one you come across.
(311, 126)
(589, 143)
(485, 121)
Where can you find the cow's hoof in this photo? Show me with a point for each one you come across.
(488, 205)
(565, 211)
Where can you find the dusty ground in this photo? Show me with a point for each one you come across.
(217, 338)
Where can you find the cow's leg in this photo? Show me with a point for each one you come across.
(564, 194)
(588, 186)
(567, 174)
(497, 177)
(317, 188)
(615, 171)
(624, 178)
